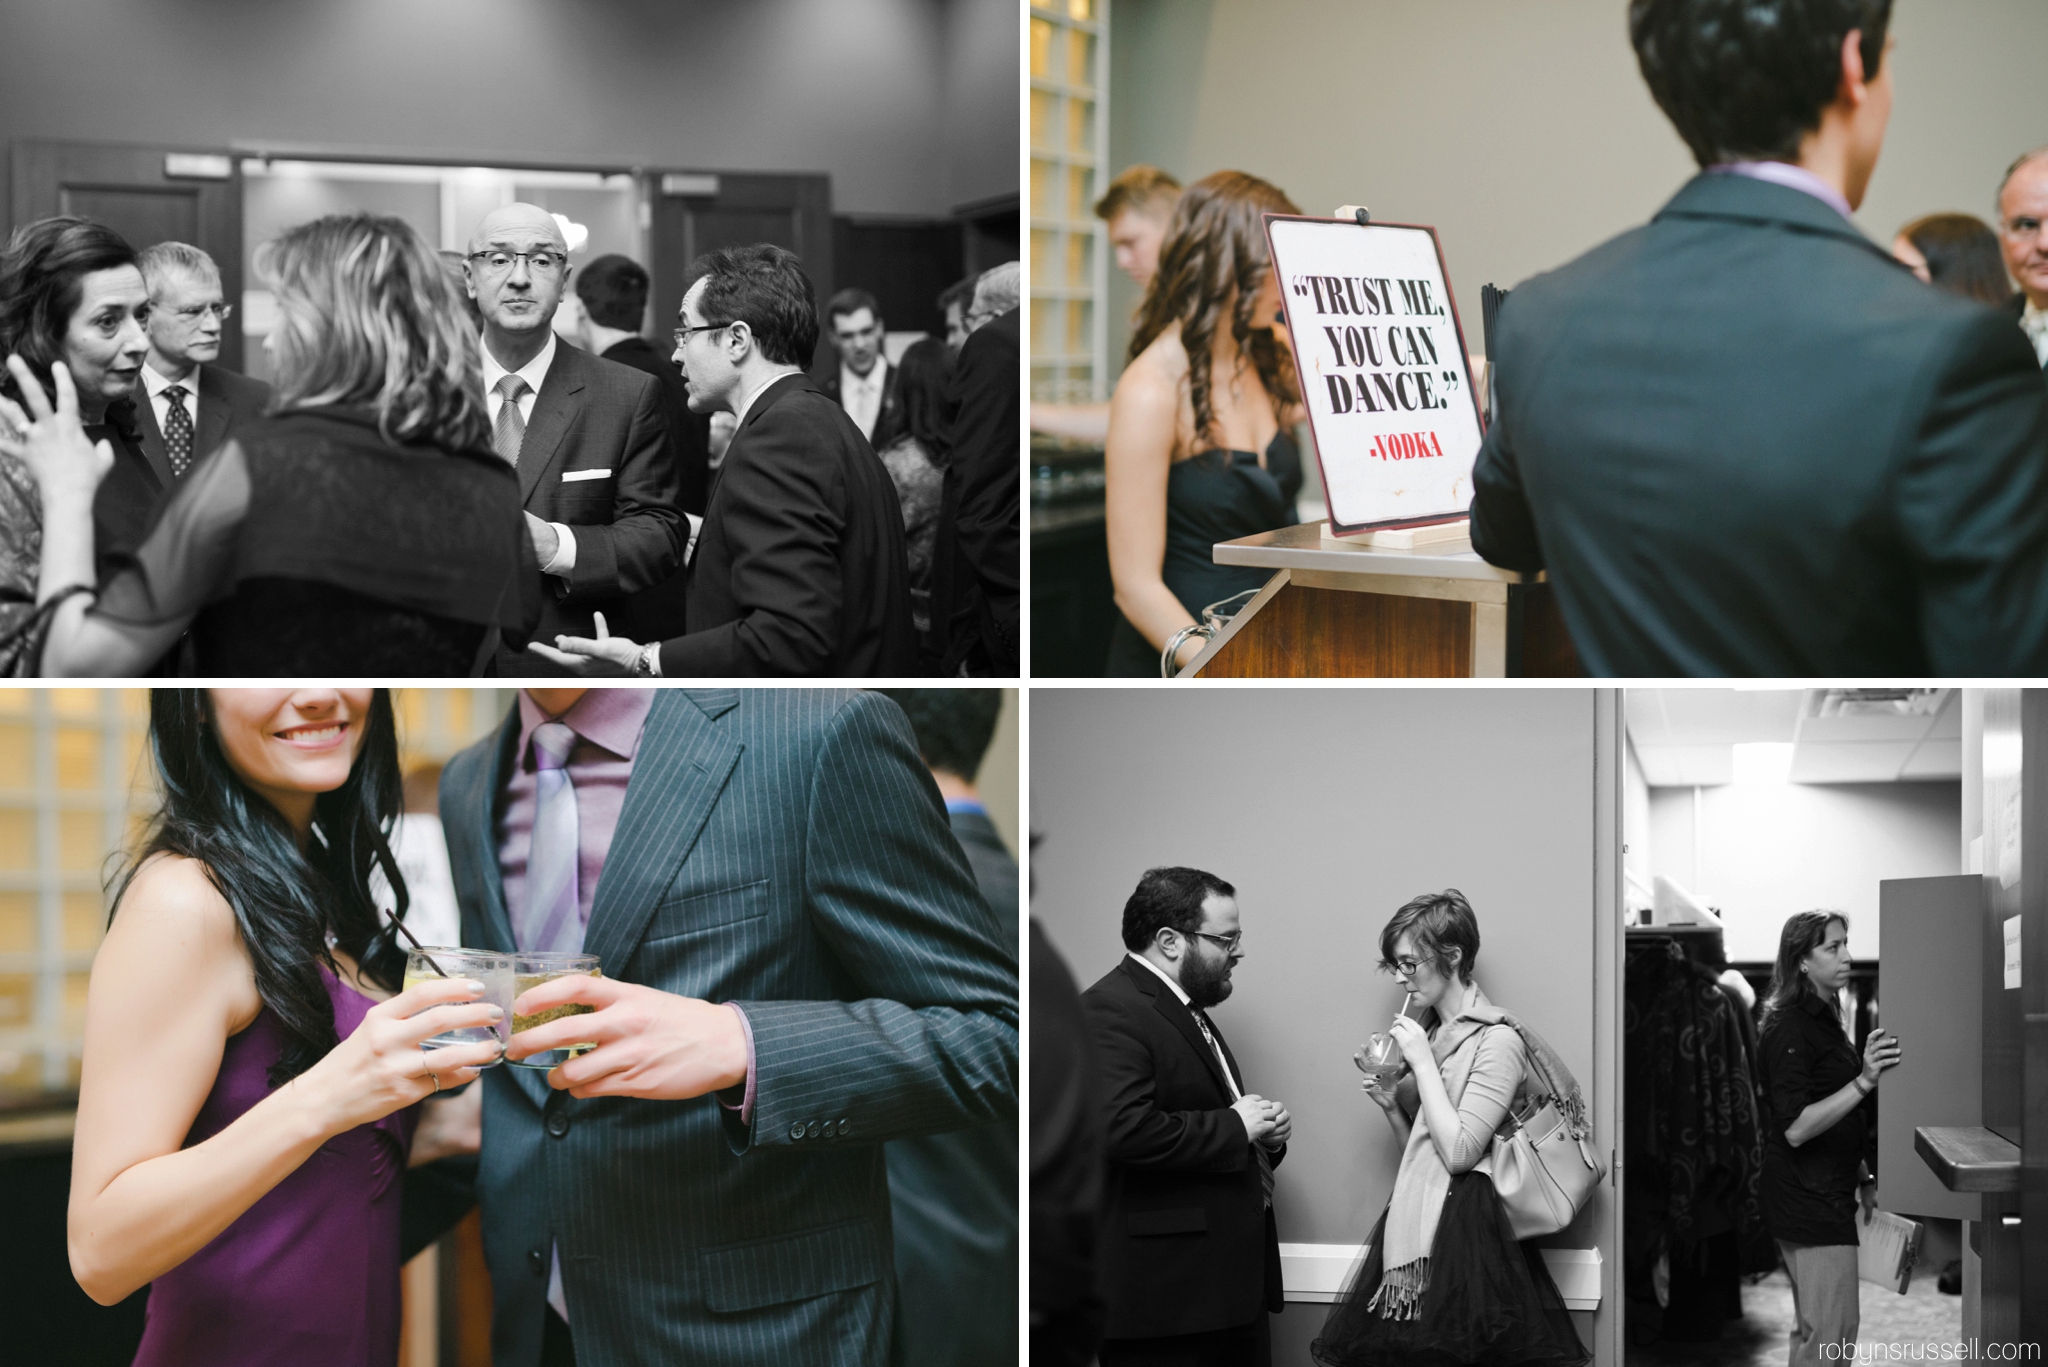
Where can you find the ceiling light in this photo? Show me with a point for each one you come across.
(1763, 762)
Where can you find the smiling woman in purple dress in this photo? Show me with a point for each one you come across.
(251, 1077)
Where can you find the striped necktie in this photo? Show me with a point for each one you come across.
(511, 428)
(1265, 1160)
(551, 921)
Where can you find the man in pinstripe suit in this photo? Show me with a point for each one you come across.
(798, 968)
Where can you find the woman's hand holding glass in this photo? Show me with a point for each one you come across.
(381, 1068)
(1413, 1042)
(51, 441)
(1880, 1051)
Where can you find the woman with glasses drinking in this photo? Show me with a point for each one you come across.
(249, 1094)
(365, 528)
(1820, 1141)
(1444, 1279)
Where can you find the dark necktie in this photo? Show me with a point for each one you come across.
(1265, 1160)
(511, 428)
(177, 430)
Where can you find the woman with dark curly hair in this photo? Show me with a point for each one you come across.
(71, 296)
(249, 1096)
(365, 527)
(1958, 253)
(1201, 445)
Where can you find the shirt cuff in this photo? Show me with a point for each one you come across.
(745, 1105)
(564, 558)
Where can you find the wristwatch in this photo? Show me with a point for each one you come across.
(647, 665)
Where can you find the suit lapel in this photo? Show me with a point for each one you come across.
(153, 449)
(211, 428)
(1182, 1017)
(555, 411)
(681, 768)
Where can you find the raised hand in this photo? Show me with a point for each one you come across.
(380, 1067)
(650, 1043)
(1880, 1051)
(1413, 1042)
(49, 440)
(606, 655)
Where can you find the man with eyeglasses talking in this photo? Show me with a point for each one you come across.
(588, 437)
(194, 404)
(1190, 1254)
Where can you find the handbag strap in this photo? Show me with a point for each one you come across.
(1563, 1092)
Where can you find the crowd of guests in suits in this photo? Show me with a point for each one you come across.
(438, 482)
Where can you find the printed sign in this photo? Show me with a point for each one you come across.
(1383, 369)
(2012, 952)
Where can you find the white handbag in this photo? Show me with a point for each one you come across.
(1543, 1172)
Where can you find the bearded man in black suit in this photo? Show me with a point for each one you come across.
(1742, 439)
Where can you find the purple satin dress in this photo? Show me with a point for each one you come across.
(309, 1274)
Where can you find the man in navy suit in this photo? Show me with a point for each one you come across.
(1742, 439)
(797, 970)
(189, 404)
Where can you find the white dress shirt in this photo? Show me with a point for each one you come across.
(2035, 322)
(533, 372)
(861, 395)
(1216, 1048)
(160, 405)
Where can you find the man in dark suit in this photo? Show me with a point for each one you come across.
(2023, 236)
(587, 435)
(611, 299)
(864, 383)
(1190, 1253)
(800, 566)
(954, 1196)
(976, 569)
(188, 405)
(1067, 1167)
(1743, 440)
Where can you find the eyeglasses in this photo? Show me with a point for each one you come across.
(682, 335)
(199, 311)
(2022, 227)
(540, 263)
(1230, 942)
(1404, 966)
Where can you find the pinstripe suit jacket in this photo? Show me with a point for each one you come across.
(784, 849)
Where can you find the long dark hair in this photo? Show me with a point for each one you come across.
(1963, 256)
(286, 900)
(42, 278)
(1216, 242)
(1802, 932)
(922, 378)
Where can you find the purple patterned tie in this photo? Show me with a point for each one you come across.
(552, 923)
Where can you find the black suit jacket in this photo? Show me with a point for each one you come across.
(800, 566)
(656, 613)
(227, 400)
(1188, 1245)
(1745, 441)
(1067, 1167)
(888, 418)
(592, 414)
(976, 576)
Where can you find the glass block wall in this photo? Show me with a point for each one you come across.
(1069, 146)
(75, 793)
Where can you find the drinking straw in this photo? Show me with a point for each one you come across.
(414, 939)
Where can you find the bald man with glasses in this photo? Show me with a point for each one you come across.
(588, 437)
(2023, 235)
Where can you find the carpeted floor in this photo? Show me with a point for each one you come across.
(1922, 1315)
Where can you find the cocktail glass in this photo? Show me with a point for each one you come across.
(530, 971)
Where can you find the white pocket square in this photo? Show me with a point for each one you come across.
(571, 476)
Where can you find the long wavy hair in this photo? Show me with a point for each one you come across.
(1215, 250)
(42, 279)
(368, 316)
(1801, 934)
(922, 378)
(286, 901)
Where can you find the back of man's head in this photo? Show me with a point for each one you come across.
(1169, 897)
(953, 725)
(1745, 80)
(764, 287)
(1143, 190)
(614, 292)
(959, 294)
(850, 301)
(166, 259)
(997, 292)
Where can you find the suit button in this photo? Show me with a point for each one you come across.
(537, 1262)
(558, 1124)
(796, 1131)
(845, 1124)
(811, 1130)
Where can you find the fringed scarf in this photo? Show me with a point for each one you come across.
(1423, 1181)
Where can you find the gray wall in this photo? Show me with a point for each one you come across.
(1522, 131)
(910, 105)
(1329, 808)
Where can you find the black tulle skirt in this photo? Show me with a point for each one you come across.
(1490, 1299)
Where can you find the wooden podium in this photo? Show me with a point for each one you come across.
(1339, 610)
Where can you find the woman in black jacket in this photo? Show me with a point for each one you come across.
(1819, 1133)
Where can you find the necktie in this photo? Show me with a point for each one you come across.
(177, 429)
(1259, 1153)
(551, 921)
(511, 428)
